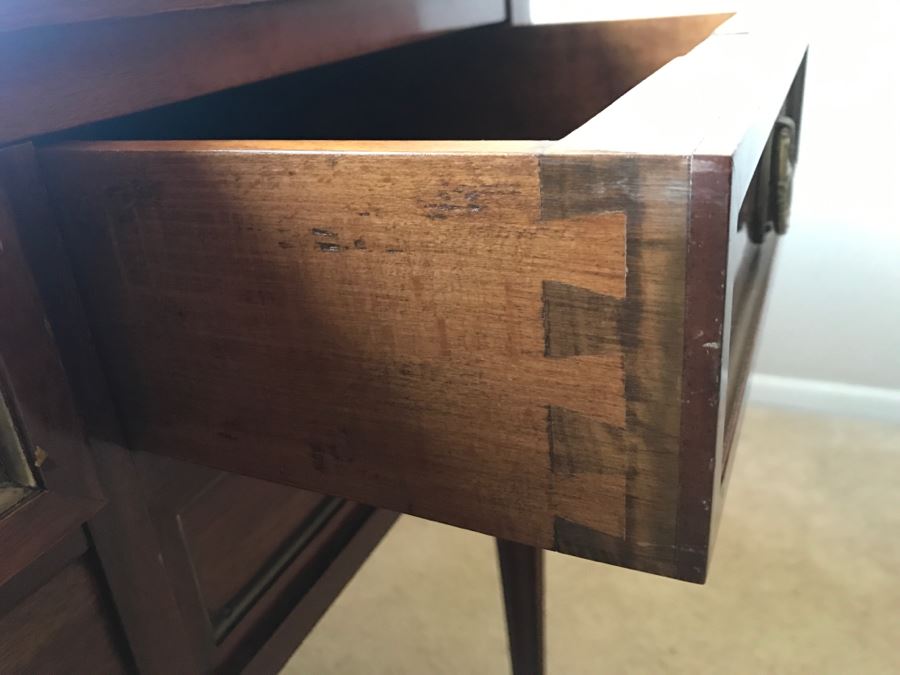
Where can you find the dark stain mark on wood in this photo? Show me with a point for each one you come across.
(318, 232)
(393, 250)
(359, 244)
(329, 248)
(580, 444)
(585, 542)
(285, 244)
(327, 454)
(126, 199)
(578, 321)
(459, 200)
(576, 186)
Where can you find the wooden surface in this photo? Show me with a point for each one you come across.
(234, 530)
(60, 76)
(225, 556)
(742, 137)
(18, 14)
(235, 549)
(65, 626)
(122, 533)
(72, 546)
(37, 394)
(313, 579)
(492, 334)
(492, 82)
(330, 571)
(522, 574)
(462, 347)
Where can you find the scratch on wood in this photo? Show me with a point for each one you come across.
(328, 454)
(459, 200)
(585, 542)
(319, 232)
(329, 248)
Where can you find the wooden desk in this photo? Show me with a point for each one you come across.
(546, 340)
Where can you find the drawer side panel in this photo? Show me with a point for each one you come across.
(433, 333)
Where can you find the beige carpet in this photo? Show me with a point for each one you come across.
(805, 579)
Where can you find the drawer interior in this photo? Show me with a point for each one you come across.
(498, 82)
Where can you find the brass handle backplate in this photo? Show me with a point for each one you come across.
(767, 205)
(785, 131)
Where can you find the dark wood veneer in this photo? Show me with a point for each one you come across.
(36, 391)
(66, 626)
(54, 77)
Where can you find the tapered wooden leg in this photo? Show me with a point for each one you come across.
(522, 571)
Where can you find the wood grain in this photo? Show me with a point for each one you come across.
(493, 334)
(493, 82)
(18, 14)
(60, 76)
(122, 533)
(150, 605)
(229, 543)
(330, 571)
(726, 294)
(65, 626)
(440, 346)
(233, 529)
(72, 546)
(440, 353)
(36, 392)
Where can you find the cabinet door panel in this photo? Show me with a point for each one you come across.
(244, 556)
(48, 485)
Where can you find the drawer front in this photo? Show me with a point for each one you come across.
(244, 555)
(526, 338)
(241, 533)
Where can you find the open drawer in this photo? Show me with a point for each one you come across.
(543, 340)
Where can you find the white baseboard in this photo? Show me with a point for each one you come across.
(833, 398)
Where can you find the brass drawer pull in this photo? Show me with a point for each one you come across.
(784, 158)
(767, 206)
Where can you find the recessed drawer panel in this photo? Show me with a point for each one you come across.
(243, 555)
(530, 338)
(240, 532)
(68, 625)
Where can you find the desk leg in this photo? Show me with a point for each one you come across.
(522, 571)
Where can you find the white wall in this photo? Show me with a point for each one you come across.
(832, 335)
(831, 340)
